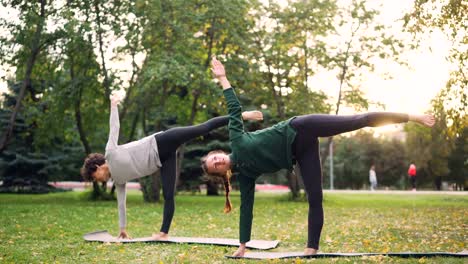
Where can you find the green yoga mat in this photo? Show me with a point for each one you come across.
(104, 236)
(285, 255)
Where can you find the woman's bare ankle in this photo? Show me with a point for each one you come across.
(310, 251)
(425, 120)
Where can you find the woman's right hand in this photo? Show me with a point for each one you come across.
(123, 234)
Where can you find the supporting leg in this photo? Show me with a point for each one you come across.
(168, 185)
(309, 162)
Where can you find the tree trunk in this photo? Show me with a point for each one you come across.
(35, 49)
(212, 188)
(155, 187)
(151, 186)
(293, 182)
(77, 106)
(344, 69)
(101, 51)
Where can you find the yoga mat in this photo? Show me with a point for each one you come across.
(104, 236)
(284, 255)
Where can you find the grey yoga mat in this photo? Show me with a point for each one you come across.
(104, 236)
(284, 255)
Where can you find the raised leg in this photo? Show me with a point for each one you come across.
(169, 140)
(331, 125)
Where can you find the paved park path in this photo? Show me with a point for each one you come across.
(270, 188)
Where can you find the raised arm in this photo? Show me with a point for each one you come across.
(114, 123)
(236, 125)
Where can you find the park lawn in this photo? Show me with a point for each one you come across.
(49, 228)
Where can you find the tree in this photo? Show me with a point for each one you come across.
(282, 59)
(361, 40)
(448, 16)
(457, 161)
(33, 41)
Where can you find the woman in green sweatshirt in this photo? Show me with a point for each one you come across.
(274, 148)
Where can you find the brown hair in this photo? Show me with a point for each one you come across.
(90, 165)
(226, 179)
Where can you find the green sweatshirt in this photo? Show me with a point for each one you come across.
(254, 153)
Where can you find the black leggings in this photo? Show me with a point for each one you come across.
(168, 142)
(413, 182)
(306, 151)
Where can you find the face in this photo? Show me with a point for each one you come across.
(102, 173)
(218, 163)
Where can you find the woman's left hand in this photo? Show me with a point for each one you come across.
(252, 115)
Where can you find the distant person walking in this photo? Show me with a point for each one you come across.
(372, 178)
(412, 176)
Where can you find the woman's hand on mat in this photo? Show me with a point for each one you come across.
(252, 115)
(240, 251)
(160, 236)
(310, 251)
(123, 234)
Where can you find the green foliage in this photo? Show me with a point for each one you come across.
(449, 16)
(271, 52)
(360, 40)
(458, 160)
(354, 155)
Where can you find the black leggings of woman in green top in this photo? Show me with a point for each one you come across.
(305, 149)
(168, 142)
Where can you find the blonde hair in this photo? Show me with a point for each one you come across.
(226, 179)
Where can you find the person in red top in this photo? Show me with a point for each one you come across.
(412, 175)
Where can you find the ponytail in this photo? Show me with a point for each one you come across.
(227, 189)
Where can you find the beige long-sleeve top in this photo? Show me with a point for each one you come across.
(129, 161)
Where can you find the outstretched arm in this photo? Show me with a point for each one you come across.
(236, 125)
(121, 201)
(247, 189)
(114, 123)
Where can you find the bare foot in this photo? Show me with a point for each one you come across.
(160, 236)
(310, 251)
(426, 120)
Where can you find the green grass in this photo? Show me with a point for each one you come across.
(49, 228)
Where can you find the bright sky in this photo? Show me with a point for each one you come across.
(411, 88)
